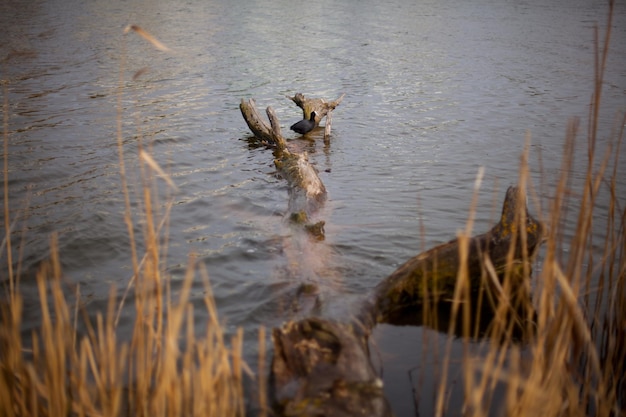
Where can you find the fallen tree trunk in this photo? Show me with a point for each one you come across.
(306, 190)
(321, 367)
(432, 275)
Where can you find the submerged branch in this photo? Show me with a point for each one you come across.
(321, 367)
(306, 190)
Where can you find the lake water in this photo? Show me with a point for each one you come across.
(433, 91)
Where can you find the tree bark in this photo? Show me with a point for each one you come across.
(269, 134)
(321, 367)
(306, 190)
(432, 275)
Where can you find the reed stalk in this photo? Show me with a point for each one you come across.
(574, 361)
(571, 362)
(95, 373)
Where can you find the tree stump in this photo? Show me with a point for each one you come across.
(322, 368)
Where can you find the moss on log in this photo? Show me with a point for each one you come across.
(432, 275)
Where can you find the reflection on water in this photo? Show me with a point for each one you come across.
(433, 91)
(480, 320)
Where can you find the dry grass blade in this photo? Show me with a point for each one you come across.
(94, 373)
(153, 164)
(144, 34)
(262, 388)
(5, 173)
(140, 72)
(461, 294)
(580, 324)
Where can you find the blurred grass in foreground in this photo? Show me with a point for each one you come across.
(573, 364)
(96, 374)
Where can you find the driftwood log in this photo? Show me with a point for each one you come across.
(432, 275)
(306, 190)
(322, 368)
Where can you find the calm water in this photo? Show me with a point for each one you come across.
(434, 90)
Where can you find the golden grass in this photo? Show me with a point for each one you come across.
(95, 374)
(572, 363)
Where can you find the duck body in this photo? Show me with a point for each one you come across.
(304, 125)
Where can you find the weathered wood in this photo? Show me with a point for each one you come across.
(321, 368)
(432, 275)
(327, 127)
(267, 133)
(306, 190)
(321, 107)
(275, 129)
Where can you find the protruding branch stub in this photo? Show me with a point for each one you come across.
(269, 133)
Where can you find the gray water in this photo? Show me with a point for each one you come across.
(433, 91)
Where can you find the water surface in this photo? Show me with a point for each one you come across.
(434, 90)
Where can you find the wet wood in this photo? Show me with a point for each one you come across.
(321, 107)
(432, 275)
(306, 190)
(322, 368)
(268, 133)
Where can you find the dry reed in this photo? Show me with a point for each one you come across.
(572, 363)
(96, 374)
